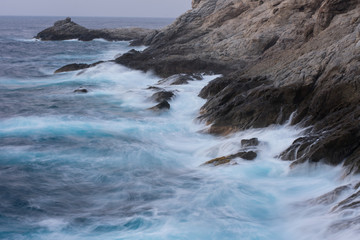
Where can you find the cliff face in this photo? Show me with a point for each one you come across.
(278, 57)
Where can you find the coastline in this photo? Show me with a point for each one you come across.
(288, 60)
(315, 75)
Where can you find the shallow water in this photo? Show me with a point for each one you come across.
(101, 166)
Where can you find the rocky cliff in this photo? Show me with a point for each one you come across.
(279, 58)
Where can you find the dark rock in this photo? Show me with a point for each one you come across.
(72, 67)
(162, 96)
(249, 102)
(81, 90)
(67, 29)
(165, 67)
(164, 105)
(154, 88)
(76, 66)
(250, 155)
(249, 142)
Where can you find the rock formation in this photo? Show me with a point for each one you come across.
(278, 58)
(67, 29)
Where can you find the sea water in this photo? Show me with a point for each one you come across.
(102, 166)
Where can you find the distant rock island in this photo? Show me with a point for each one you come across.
(280, 60)
(67, 29)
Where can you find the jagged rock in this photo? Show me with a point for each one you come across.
(249, 142)
(67, 29)
(76, 66)
(162, 96)
(352, 201)
(250, 155)
(164, 105)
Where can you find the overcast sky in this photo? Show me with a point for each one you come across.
(111, 8)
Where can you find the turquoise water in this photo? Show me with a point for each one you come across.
(101, 166)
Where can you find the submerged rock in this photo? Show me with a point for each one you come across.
(253, 142)
(180, 79)
(67, 29)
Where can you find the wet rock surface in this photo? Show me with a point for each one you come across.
(180, 79)
(162, 96)
(250, 155)
(81, 90)
(67, 29)
(164, 105)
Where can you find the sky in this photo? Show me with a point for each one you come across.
(95, 8)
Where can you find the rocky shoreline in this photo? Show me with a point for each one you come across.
(279, 59)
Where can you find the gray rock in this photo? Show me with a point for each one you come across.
(253, 142)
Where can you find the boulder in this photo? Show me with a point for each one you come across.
(164, 105)
(253, 142)
(162, 96)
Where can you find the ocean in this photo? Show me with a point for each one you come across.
(100, 165)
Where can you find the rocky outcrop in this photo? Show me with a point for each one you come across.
(67, 29)
(76, 66)
(279, 58)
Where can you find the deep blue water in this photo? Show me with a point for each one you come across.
(101, 166)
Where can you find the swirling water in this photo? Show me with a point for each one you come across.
(101, 166)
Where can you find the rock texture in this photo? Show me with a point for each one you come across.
(279, 58)
(67, 29)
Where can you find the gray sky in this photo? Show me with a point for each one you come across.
(111, 8)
